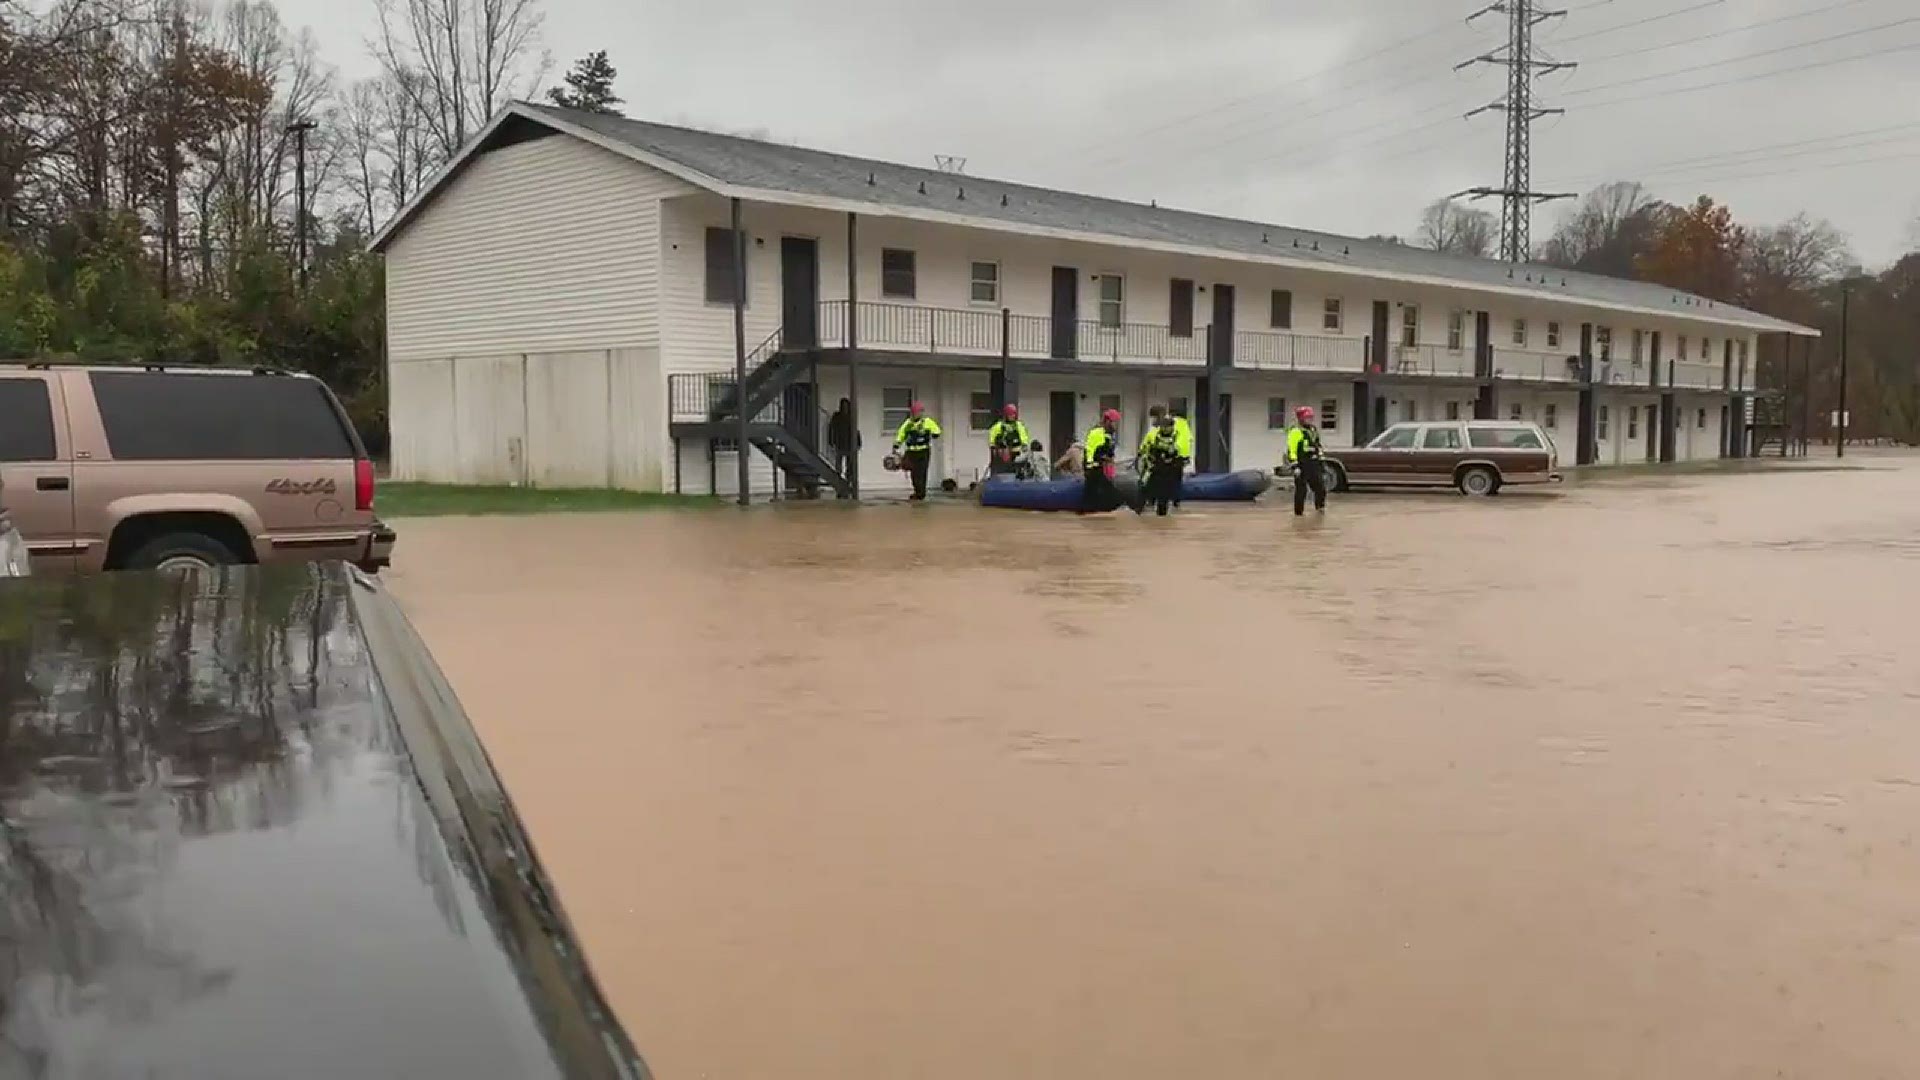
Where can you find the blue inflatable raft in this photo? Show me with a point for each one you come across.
(1006, 492)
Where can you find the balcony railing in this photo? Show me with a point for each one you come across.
(1429, 360)
(1534, 366)
(990, 332)
(1264, 350)
(1697, 376)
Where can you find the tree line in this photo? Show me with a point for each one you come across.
(151, 153)
(1801, 270)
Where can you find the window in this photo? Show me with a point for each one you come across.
(1329, 415)
(896, 403)
(1280, 315)
(1603, 342)
(1504, 438)
(1550, 416)
(1520, 333)
(26, 421)
(1553, 335)
(1180, 309)
(1639, 346)
(1515, 412)
(1701, 420)
(980, 411)
(1456, 331)
(1706, 348)
(1397, 437)
(1177, 405)
(720, 271)
(1441, 438)
(1113, 296)
(1277, 418)
(1330, 316)
(1410, 325)
(1601, 422)
(1680, 346)
(155, 416)
(1409, 410)
(984, 287)
(897, 274)
(1633, 421)
(1109, 401)
(1453, 410)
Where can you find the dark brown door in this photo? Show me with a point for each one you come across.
(1221, 350)
(1180, 309)
(1066, 312)
(1061, 422)
(1653, 433)
(799, 292)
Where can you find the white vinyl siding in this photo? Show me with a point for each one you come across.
(542, 246)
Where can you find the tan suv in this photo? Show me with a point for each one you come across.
(146, 467)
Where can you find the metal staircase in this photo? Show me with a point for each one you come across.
(708, 406)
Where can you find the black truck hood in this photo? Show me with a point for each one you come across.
(246, 832)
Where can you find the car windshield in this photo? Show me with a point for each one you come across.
(1399, 437)
(1506, 438)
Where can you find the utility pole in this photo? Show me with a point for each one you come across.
(1519, 57)
(299, 129)
(1840, 426)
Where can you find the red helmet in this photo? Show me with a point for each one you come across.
(1011, 411)
(916, 409)
(1304, 413)
(1111, 416)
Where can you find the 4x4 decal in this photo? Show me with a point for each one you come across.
(284, 486)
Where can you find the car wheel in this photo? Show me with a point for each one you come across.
(1478, 480)
(1336, 477)
(181, 552)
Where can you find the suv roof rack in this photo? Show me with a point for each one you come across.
(148, 365)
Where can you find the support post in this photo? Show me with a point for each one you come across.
(741, 450)
(1669, 432)
(1585, 452)
(1840, 428)
(1485, 405)
(300, 129)
(853, 350)
(1806, 399)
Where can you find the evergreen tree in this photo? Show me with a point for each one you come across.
(589, 86)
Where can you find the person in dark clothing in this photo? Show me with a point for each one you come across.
(842, 441)
(914, 444)
(1304, 456)
(1161, 466)
(1097, 491)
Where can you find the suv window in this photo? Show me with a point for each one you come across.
(1506, 438)
(26, 421)
(1397, 437)
(175, 416)
(1441, 438)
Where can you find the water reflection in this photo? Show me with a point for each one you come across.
(143, 719)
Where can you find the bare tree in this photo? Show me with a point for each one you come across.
(1795, 257)
(1612, 226)
(358, 128)
(460, 61)
(1447, 226)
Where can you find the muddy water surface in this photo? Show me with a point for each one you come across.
(1618, 783)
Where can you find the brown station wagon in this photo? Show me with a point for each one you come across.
(1479, 457)
(143, 467)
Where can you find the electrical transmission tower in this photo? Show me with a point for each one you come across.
(1523, 65)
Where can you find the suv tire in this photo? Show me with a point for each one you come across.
(1478, 480)
(181, 551)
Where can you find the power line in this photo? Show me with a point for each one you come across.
(1743, 58)
(1640, 22)
(1820, 168)
(1791, 148)
(1674, 91)
(1741, 29)
(1523, 67)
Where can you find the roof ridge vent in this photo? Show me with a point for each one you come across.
(962, 195)
(923, 187)
(1263, 238)
(1003, 200)
(869, 179)
(1316, 245)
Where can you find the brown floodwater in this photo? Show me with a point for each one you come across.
(1618, 782)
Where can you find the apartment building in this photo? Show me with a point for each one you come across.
(574, 299)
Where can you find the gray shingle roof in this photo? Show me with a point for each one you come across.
(750, 163)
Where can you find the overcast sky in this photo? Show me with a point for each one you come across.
(1287, 110)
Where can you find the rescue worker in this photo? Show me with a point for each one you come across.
(1184, 431)
(1098, 493)
(914, 443)
(1007, 442)
(1304, 457)
(1161, 466)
